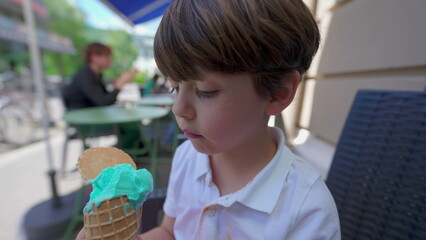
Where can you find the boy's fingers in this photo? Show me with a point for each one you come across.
(81, 235)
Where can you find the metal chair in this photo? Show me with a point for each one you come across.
(71, 132)
(378, 174)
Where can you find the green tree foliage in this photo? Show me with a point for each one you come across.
(124, 49)
(13, 53)
(68, 21)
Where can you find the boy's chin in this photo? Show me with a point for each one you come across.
(202, 148)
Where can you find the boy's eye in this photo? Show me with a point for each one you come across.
(174, 89)
(206, 94)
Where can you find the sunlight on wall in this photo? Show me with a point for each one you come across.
(301, 138)
(323, 17)
(308, 98)
(271, 121)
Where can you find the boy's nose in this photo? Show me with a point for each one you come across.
(183, 108)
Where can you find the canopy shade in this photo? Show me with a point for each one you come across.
(137, 11)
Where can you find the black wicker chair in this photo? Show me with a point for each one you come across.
(378, 174)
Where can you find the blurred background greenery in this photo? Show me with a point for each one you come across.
(67, 20)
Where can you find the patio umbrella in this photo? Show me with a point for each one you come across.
(135, 12)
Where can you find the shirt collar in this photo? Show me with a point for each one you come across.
(263, 192)
(202, 165)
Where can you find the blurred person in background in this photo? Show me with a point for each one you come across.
(151, 84)
(157, 85)
(88, 89)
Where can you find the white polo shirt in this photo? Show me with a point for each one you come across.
(285, 200)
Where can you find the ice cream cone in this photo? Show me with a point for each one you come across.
(114, 219)
(115, 206)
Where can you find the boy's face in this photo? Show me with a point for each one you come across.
(221, 112)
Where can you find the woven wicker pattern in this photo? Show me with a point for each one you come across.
(114, 219)
(378, 175)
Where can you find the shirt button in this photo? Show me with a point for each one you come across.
(212, 211)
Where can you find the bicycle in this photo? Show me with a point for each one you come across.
(18, 125)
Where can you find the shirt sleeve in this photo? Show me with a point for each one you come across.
(95, 91)
(169, 205)
(318, 218)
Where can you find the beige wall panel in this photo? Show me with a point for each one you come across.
(333, 98)
(323, 6)
(309, 3)
(291, 113)
(366, 35)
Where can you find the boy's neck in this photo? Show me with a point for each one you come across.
(235, 169)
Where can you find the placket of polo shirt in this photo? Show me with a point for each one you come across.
(210, 217)
(211, 211)
(209, 222)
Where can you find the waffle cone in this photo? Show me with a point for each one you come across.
(114, 219)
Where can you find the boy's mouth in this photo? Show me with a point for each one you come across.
(190, 134)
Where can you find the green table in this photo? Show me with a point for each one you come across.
(155, 100)
(112, 115)
(164, 100)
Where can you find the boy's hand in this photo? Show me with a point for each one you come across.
(81, 235)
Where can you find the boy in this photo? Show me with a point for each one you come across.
(232, 64)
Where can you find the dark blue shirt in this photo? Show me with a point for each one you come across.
(87, 89)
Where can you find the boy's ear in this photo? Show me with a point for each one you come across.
(284, 96)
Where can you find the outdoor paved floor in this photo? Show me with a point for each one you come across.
(23, 173)
(24, 181)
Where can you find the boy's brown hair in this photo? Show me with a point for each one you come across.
(95, 48)
(266, 38)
